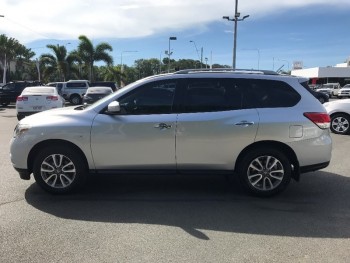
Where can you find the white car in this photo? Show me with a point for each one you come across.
(339, 112)
(37, 99)
(344, 91)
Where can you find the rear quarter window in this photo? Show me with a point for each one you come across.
(262, 93)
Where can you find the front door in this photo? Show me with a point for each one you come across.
(142, 136)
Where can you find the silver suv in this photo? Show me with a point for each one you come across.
(263, 128)
(73, 90)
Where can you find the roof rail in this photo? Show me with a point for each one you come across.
(227, 70)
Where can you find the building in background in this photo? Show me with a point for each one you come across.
(340, 73)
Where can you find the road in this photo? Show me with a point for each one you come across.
(175, 218)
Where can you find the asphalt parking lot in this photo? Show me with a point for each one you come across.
(175, 218)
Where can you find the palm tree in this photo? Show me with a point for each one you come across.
(10, 48)
(90, 54)
(59, 64)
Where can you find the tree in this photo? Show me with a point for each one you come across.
(60, 64)
(11, 49)
(90, 54)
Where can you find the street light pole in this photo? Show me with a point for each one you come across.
(196, 50)
(235, 19)
(121, 64)
(169, 53)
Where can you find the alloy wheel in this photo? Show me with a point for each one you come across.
(265, 173)
(58, 171)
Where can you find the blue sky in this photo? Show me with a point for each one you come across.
(272, 37)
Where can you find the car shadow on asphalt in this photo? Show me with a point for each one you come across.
(316, 207)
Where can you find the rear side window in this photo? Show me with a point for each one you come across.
(76, 85)
(210, 95)
(263, 93)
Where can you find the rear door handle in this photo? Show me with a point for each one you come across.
(244, 123)
(162, 126)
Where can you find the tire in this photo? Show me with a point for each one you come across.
(20, 117)
(340, 123)
(265, 172)
(75, 99)
(61, 160)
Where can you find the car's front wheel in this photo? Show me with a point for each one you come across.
(340, 123)
(265, 172)
(59, 169)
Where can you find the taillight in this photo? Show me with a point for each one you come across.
(51, 98)
(321, 119)
(22, 98)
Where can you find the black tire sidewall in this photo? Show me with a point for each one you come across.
(77, 98)
(78, 162)
(253, 154)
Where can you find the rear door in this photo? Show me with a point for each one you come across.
(214, 125)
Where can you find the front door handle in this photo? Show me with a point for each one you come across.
(244, 123)
(162, 126)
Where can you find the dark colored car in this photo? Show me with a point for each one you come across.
(95, 93)
(322, 97)
(10, 91)
(110, 84)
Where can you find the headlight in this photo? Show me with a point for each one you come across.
(20, 129)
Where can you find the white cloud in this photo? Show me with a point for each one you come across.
(67, 19)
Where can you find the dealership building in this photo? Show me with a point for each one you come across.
(340, 73)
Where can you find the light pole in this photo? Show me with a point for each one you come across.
(169, 53)
(235, 19)
(201, 56)
(206, 63)
(121, 64)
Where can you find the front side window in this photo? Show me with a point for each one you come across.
(151, 98)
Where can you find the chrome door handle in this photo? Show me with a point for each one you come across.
(244, 123)
(162, 126)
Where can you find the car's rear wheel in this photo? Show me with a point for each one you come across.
(76, 100)
(340, 123)
(265, 172)
(59, 169)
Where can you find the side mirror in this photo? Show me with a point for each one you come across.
(113, 107)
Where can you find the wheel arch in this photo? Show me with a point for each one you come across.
(50, 143)
(340, 112)
(290, 154)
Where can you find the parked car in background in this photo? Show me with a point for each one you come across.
(58, 85)
(10, 91)
(339, 111)
(110, 84)
(36, 99)
(322, 97)
(331, 89)
(93, 94)
(73, 90)
(344, 92)
(226, 122)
